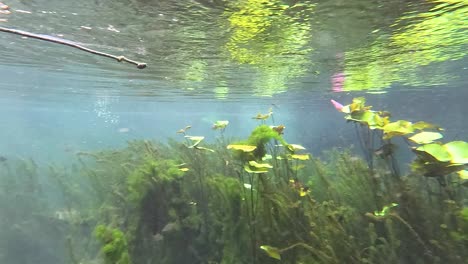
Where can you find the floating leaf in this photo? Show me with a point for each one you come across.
(244, 148)
(398, 128)
(463, 174)
(184, 169)
(267, 157)
(359, 104)
(247, 186)
(300, 156)
(222, 124)
(424, 125)
(436, 150)
(425, 137)
(272, 252)
(458, 150)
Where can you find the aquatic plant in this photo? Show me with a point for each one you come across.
(115, 248)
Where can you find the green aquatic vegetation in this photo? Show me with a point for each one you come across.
(385, 211)
(437, 160)
(143, 179)
(434, 159)
(259, 200)
(260, 136)
(115, 248)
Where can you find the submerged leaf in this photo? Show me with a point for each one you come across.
(303, 191)
(251, 169)
(272, 252)
(260, 165)
(221, 124)
(244, 148)
(295, 147)
(300, 156)
(385, 210)
(203, 148)
(195, 139)
(425, 137)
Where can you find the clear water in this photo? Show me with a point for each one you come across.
(224, 60)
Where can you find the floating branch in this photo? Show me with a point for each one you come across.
(140, 65)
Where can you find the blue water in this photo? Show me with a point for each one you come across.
(212, 60)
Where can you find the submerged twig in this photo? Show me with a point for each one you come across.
(140, 65)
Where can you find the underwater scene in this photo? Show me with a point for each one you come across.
(233, 131)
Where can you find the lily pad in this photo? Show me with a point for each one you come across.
(398, 128)
(458, 150)
(244, 148)
(425, 137)
(463, 174)
(251, 169)
(300, 156)
(260, 165)
(439, 152)
(424, 125)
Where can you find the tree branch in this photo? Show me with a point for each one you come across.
(140, 65)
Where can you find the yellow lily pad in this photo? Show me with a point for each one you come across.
(260, 165)
(437, 151)
(458, 151)
(300, 156)
(244, 148)
(463, 174)
(425, 137)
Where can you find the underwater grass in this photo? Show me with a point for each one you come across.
(253, 200)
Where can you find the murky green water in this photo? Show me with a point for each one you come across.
(226, 60)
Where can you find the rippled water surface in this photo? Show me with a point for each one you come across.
(205, 57)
